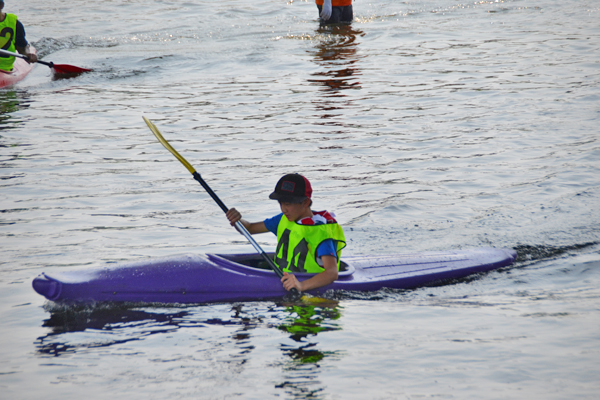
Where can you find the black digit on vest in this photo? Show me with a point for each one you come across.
(11, 34)
(283, 245)
(301, 251)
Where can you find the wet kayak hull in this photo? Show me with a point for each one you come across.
(192, 278)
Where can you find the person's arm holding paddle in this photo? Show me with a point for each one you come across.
(31, 57)
(319, 280)
(234, 215)
(22, 45)
(289, 281)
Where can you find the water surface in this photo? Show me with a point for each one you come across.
(425, 125)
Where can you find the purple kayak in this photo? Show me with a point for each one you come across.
(212, 278)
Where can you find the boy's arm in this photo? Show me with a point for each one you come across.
(21, 43)
(319, 280)
(234, 215)
(254, 227)
(31, 57)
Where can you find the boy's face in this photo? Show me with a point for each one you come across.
(295, 211)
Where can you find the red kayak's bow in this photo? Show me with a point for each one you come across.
(21, 69)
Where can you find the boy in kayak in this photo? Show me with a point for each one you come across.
(12, 37)
(335, 11)
(307, 241)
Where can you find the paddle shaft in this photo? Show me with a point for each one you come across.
(241, 228)
(58, 68)
(24, 57)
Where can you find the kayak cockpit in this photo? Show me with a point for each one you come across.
(256, 261)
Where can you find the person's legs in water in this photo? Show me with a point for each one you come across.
(341, 14)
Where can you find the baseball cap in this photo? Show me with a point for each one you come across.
(292, 188)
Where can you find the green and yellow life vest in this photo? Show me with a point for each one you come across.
(8, 31)
(297, 245)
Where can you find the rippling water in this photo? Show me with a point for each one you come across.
(425, 125)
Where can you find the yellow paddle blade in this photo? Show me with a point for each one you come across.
(164, 142)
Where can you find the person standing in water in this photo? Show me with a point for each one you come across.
(335, 11)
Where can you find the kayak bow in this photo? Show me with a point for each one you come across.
(21, 69)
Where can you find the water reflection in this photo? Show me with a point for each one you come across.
(302, 372)
(10, 102)
(300, 321)
(124, 324)
(105, 319)
(304, 320)
(108, 325)
(336, 53)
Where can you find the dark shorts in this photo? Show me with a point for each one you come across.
(341, 14)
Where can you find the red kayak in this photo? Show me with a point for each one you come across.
(20, 70)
